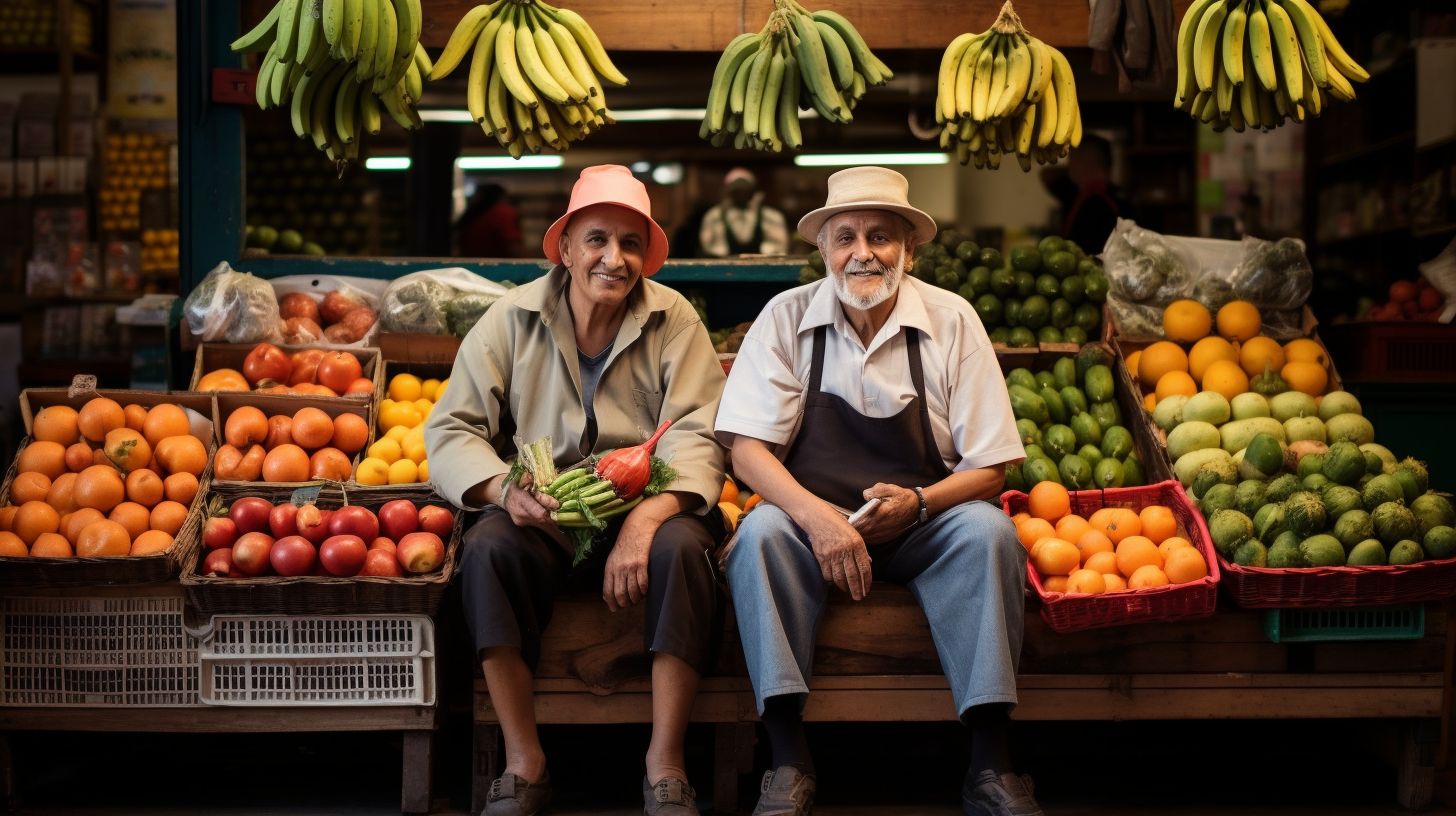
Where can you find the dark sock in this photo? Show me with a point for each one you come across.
(990, 743)
(785, 726)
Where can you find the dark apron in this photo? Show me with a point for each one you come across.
(839, 452)
(754, 245)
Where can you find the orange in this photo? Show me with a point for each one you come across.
(388, 450)
(1119, 523)
(136, 417)
(1056, 557)
(1306, 376)
(101, 487)
(180, 487)
(372, 471)
(181, 454)
(753, 501)
(1115, 582)
(1132, 363)
(1033, 530)
(1086, 582)
(1093, 542)
(151, 542)
(11, 546)
(144, 487)
(1305, 350)
(285, 463)
(406, 388)
(57, 423)
(135, 518)
(1147, 576)
(29, 486)
(1227, 378)
(223, 379)
(1049, 500)
(1150, 402)
(246, 426)
(1186, 321)
(404, 471)
(51, 545)
(1170, 544)
(168, 517)
(1136, 551)
(77, 521)
(1056, 583)
(1208, 350)
(1157, 523)
(1175, 382)
(1238, 320)
(1260, 354)
(62, 495)
(1020, 517)
(1158, 359)
(79, 457)
(351, 433)
(42, 457)
(7, 517)
(103, 538)
(99, 417)
(1071, 527)
(127, 449)
(34, 518)
(164, 420)
(312, 428)
(1102, 562)
(1185, 564)
(729, 493)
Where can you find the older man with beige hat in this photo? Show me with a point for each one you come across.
(872, 390)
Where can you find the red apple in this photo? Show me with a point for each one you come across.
(292, 555)
(219, 563)
(399, 518)
(421, 552)
(305, 366)
(251, 553)
(338, 370)
(266, 362)
(313, 523)
(382, 543)
(283, 520)
(355, 521)
(219, 533)
(437, 520)
(343, 555)
(381, 562)
(250, 514)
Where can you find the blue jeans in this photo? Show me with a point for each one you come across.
(965, 567)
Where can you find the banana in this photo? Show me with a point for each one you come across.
(838, 54)
(965, 85)
(533, 68)
(1076, 138)
(575, 60)
(1339, 87)
(300, 105)
(1041, 70)
(757, 80)
(814, 64)
(423, 61)
(1335, 53)
(287, 29)
(352, 30)
(950, 60)
(1248, 106)
(1018, 78)
(1261, 47)
(498, 112)
(478, 78)
(1047, 118)
(346, 108)
(768, 106)
(788, 105)
(409, 14)
(368, 41)
(1268, 115)
(590, 45)
(261, 36)
(1286, 47)
(414, 82)
(384, 48)
(1066, 96)
(1223, 91)
(331, 22)
(321, 117)
(317, 55)
(878, 73)
(1187, 86)
(981, 81)
(555, 63)
(264, 80)
(1313, 97)
(1025, 130)
(998, 80)
(738, 51)
(369, 117)
(505, 62)
(279, 84)
(1302, 16)
(462, 40)
(738, 92)
(1205, 45)
(1232, 45)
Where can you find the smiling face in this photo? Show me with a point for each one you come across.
(865, 252)
(603, 248)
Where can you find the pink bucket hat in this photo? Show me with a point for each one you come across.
(610, 184)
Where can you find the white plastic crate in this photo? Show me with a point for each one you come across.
(112, 651)
(336, 660)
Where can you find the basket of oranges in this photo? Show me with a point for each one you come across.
(1115, 556)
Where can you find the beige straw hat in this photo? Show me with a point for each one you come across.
(867, 188)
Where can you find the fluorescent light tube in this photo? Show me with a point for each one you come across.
(857, 159)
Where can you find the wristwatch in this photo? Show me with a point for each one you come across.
(924, 508)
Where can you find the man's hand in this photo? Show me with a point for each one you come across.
(526, 507)
(624, 582)
(897, 511)
(840, 551)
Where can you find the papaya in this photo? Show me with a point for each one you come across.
(1322, 551)
(1106, 413)
(1064, 372)
(1090, 357)
(1036, 471)
(1028, 404)
(1229, 529)
(1263, 457)
(1193, 436)
(1022, 377)
(1353, 527)
(1055, 408)
(1440, 542)
(1117, 442)
(1350, 428)
(1087, 430)
(1207, 406)
(1108, 473)
(1432, 510)
(1249, 405)
(1251, 553)
(1098, 384)
(1368, 553)
(1169, 412)
(1074, 400)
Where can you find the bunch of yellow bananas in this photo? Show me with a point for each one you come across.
(800, 59)
(1255, 63)
(536, 74)
(336, 64)
(1004, 91)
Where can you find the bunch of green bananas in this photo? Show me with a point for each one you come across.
(1004, 91)
(536, 74)
(800, 59)
(1255, 63)
(338, 66)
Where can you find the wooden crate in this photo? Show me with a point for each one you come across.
(213, 356)
(270, 404)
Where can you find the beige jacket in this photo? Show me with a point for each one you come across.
(516, 374)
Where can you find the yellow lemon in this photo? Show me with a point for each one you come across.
(404, 387)
(386, 449)
(397, 413)
(404, 472)
(414, 451)
(425, 470)
(440, 392)
(413, 435)
(428, 389)
(397, 433)
(424, 406)
(372, 471)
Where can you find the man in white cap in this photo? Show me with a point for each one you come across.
(873, 388)
(595, 356)
(741, 224)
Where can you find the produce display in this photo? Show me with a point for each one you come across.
(799, 59)
(1407, 300)
(1115, 549)
(161, 251)
(286, 241)
(131, 164)
(32, 24)
(336, 63)
(339, 317)
(1004, 91)
(426, 305)
(307, 372)
(254, 537)
(536, 74)
(106, 480)
(1071, 426)
(398, 454)
(1257, 63)
(309, 444)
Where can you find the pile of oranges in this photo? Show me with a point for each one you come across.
(733, 503)
(1114, 549)
(310, 444)
(102, 481)
(398, 455)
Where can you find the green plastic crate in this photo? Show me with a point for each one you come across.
(1393, 622)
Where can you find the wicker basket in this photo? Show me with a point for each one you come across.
(1301, 588)
(323, 595)
(226, 403)
(1197, 599)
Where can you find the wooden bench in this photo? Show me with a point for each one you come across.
(875, 663)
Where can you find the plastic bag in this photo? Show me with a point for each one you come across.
(1146, 271)
(438, 301)
(1441, 272)
(365, 291)
(233, 307)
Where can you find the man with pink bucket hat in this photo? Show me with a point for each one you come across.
(595, 356)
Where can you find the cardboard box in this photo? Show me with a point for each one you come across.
(418, 348)
(224, 404)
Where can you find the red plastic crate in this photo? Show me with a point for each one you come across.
(1065, 612)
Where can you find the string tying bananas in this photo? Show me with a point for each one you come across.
(801, 59)
(340, 66)
(536, 74)
(1247, 64)
(1003, 92)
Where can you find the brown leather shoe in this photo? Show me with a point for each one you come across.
(511, 795)
(991, 794)
(669, 797)
(786, 791)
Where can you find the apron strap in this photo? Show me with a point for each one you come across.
(816, 367)
(917, 376)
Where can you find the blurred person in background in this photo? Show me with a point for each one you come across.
(1091, 203)
(742, 224)
(490, 227)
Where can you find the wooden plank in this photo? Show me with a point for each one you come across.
(415, 778)
(219, 719)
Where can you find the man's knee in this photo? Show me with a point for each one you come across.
(496, 544)
(981, 532)
(765, 536)
(682, 542)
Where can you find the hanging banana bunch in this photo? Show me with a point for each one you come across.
(801, 59)
(340, 66)
(1004, 91)
(536, 74)
(1246, 64)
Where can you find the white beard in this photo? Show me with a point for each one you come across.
(887, 288)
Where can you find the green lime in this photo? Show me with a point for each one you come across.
(1025, 283)
(1060, 264)
(1074, 289)
(992, 258)
(1021, 337)
(1035, 311)
(1026, 259)
(988, 308)
(1003, 282)
(1048, 285)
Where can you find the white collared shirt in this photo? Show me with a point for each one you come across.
(970, 412)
